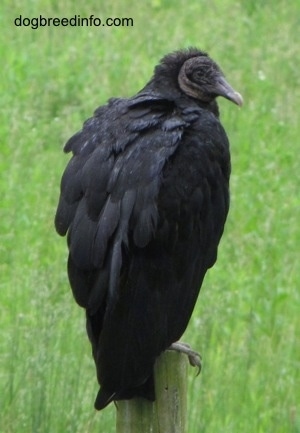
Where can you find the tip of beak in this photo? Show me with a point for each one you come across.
(236, 98)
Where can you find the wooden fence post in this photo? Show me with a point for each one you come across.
(168, 413)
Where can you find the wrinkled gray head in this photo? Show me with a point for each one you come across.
(197, 75)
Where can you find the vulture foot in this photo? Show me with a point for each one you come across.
(194, 357)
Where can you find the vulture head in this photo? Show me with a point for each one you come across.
(195, 74)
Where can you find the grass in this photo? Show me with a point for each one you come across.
(246, 323)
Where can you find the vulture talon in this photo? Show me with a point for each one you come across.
(194, 357)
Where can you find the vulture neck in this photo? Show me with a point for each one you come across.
(166, 89)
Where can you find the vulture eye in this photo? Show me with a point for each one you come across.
(197, 75)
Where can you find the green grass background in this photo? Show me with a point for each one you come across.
(246, 323)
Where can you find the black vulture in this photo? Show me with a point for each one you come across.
(143, 201)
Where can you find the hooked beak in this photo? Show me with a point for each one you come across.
(224, 89)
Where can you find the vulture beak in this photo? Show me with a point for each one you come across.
(224, 89)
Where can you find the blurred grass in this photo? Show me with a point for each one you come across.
(246, 323)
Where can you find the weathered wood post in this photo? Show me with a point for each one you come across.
(168, 413)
